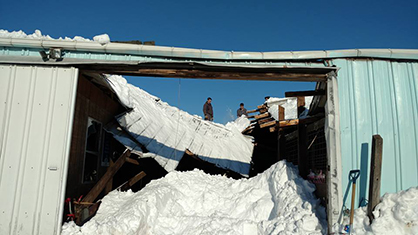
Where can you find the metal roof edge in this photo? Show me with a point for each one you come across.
(178, 52)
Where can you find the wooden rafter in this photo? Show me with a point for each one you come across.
(111, 171)
(304, 93)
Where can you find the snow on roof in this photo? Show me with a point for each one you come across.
(102, 38)
(167, 132)
(278, 201)
(289, 104)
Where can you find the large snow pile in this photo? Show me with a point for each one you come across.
(397, 213)
(102, 38)
(277, 201)
(290, 106)
(167, 132)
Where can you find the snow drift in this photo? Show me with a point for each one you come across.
(397, 213)
(277, 201)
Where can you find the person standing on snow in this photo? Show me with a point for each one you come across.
(208, 110)
(242, 111)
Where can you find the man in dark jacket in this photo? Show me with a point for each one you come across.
(241, 111)
(208, 110)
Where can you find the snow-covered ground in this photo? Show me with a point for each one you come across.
(289, 104)
(277, 201)
(167, 132)
(397, 213)
(102, 38)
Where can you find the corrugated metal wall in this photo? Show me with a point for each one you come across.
(36, 113)
(378, 97)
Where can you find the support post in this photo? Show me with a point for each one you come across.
(109, 184)
(375, 175)
(111, 171)
(132, 181)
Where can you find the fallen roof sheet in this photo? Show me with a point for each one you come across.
(166, 132)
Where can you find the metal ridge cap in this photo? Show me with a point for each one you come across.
(166, 51)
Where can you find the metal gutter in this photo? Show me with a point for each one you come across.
(177, 52)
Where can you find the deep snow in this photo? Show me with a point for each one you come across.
(277, 201)
(397, 213)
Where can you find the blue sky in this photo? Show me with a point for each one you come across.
(224, 25)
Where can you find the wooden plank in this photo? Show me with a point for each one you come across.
(252, 111)
(304, 93)
(248, 130)
(261, 106)
(272, 129)
(111, 171)
(264, 120)
(375, 175)
(251, 116)
(264, 115)
(109, 184)
(286, 123)
(132, 161)
(133, 181)
(263, 110)
(268, 124)
(281, 113)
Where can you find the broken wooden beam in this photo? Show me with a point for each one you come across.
(264, 115)
(304, 93)
(291, 122)
(109, 184)
(111, 171)
(268, 124)
(263, 110)
(247, 130)
(265, 120)
(252, 111)
(132, 161)
(132, 181)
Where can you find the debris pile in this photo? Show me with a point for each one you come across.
(278, 200)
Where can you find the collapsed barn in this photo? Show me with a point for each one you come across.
(64, 130)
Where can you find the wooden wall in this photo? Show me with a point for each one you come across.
(90, 102)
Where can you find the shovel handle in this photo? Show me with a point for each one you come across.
(353, 198)
(354, 174)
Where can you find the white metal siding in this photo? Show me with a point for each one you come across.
(36, 113)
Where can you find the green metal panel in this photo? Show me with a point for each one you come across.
(378, 97)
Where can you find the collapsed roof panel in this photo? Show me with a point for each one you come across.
(166, 132)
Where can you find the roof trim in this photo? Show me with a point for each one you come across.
(177, 52)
